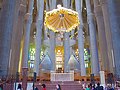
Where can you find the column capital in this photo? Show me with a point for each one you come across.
(103, 2)
(25, 69)
(39, 21)
(89, 14)
(90, 17)
(23, 1)
(22, 9)
(98, 10)
(28, 17)
(81, 26)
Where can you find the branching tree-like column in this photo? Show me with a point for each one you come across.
(20, 24)
(66, 43)
(93, 41)
(46, 29)
(6, 29)
(101, 36)
(80, 39)
(14, 44)
(28, 21)
(106, 17)
(52, 39)
(39, 26)
(114, 15)
(45, 33)
(71, 38)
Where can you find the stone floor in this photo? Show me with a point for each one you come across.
(72, 85)
(64, 85)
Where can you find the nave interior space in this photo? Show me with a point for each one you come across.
(73, 39)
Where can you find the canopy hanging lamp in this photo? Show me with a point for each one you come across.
(61, 19)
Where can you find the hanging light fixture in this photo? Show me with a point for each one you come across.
(61, 19)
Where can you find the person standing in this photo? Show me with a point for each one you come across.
(88, 87)
(1, 87)
(58, 87)
(99, 87)
(43, 87)
(36, 88)
(19, 87)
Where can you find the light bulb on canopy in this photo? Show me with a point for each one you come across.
(61, 19)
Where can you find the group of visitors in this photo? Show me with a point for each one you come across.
(58, 87)
(85, 87)
(97, 87)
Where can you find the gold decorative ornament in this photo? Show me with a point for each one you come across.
(61, 19)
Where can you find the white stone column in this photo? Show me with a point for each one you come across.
(46, 29)
(66, 51)
(6, 29)
(52, 39)
(114, 15)
(93, 41)
(28, 22)
(39, 27)
(80, 39)
(52, 49)
(101, 36)
(66, 44)
(17, 37)
(106, 17)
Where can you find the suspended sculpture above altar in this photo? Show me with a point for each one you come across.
(61, 19)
